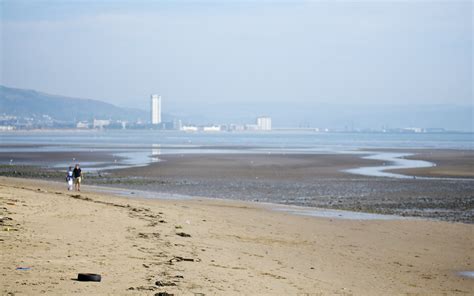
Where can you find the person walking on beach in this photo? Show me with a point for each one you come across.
(69, 179)
(77, 174)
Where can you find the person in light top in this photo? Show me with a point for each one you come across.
(69, 178)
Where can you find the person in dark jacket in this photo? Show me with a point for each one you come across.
(77, 174)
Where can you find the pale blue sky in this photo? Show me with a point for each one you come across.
(344, 52)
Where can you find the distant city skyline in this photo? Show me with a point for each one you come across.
(30, 106)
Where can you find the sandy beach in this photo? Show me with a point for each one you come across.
(141, 247)
(239, 147)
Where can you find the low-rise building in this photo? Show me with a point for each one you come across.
(82, 124)
(189, 128)
(264, 123)
(214, 128)
(100, 123)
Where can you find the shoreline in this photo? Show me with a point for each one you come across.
(309, 180)
(235, 247)
(269, 206)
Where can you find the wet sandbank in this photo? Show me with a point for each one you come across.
(311, 180)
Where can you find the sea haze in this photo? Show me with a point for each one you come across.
(342, 116)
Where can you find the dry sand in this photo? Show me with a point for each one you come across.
(236, 248)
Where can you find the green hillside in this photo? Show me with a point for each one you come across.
(30, 103)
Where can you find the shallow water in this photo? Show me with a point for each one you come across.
(335, 214)
(392, 161)
(467, 274)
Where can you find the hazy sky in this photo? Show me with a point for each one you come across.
(386, 52)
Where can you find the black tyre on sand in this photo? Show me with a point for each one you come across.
(89, 277)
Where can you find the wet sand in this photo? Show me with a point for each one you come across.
(309, 180)
(316, 180)
(275, 166)
(234, 248)
(449, 164)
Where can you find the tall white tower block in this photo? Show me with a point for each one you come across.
(155, 109)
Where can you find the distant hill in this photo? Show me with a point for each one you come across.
(30, 103)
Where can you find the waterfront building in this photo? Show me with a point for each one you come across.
(213, 128)
(155, 109)
(189, 128)
(100, 123)
(264, 123)
(82, 124)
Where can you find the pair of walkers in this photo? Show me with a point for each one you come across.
(74, 177)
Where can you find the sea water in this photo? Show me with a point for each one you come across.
(142, 147)
(275, 139)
